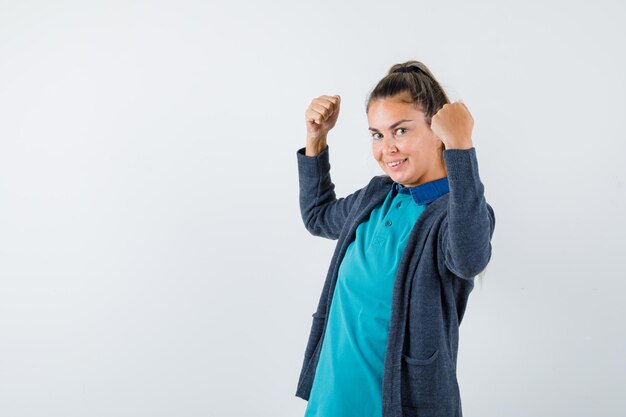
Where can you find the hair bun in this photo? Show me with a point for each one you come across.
(410, 68)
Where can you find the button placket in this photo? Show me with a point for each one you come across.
(382, 233)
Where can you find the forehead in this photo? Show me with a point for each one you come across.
(388, 110)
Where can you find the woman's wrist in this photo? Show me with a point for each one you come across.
(460, 144)
(315, 146)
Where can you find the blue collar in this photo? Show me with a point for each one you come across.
(424, 193)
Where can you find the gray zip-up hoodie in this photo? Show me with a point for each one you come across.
(449, 245)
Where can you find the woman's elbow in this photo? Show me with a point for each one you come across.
(316, 228)
(470, 265)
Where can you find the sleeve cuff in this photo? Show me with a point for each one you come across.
(313, 165)
(461, 164)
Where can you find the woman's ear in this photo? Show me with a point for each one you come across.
(443, 148)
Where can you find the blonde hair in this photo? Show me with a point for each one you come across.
(481, 276)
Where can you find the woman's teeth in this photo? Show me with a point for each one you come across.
(393, 164)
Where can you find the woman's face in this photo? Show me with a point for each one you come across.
(400, 134)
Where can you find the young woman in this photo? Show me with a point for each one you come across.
(384, 337)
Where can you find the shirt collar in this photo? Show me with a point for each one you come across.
(424, 193)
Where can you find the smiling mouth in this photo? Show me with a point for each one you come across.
(396, 163)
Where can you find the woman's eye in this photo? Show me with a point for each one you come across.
(401, 128)
(374, 136)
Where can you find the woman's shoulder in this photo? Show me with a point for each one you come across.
(378, 185)
(381, 181)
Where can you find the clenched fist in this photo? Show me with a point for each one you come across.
(321, 116)
(453, 124)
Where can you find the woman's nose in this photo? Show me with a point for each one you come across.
(389, 146)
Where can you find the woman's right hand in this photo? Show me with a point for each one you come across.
(321, 116)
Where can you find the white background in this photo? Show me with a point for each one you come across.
(153, 261)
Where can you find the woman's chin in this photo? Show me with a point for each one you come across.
(397, 178)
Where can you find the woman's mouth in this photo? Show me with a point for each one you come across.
(395, 165)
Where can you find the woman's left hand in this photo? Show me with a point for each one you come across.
(453, 124)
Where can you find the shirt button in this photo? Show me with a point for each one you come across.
(398, 205)
(388, 223)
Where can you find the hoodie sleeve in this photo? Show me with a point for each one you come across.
(322, 212)
(465, 235)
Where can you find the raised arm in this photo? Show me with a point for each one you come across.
(322, 212)
(465, 235)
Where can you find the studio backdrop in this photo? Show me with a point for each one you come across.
(153, 261)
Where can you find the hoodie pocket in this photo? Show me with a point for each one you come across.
(415, 361)
(315, 335)
(428, 386)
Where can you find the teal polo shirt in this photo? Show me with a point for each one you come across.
(348, 378)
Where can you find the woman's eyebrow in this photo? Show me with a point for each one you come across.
(393, 125)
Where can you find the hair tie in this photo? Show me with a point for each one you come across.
(411, 68)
